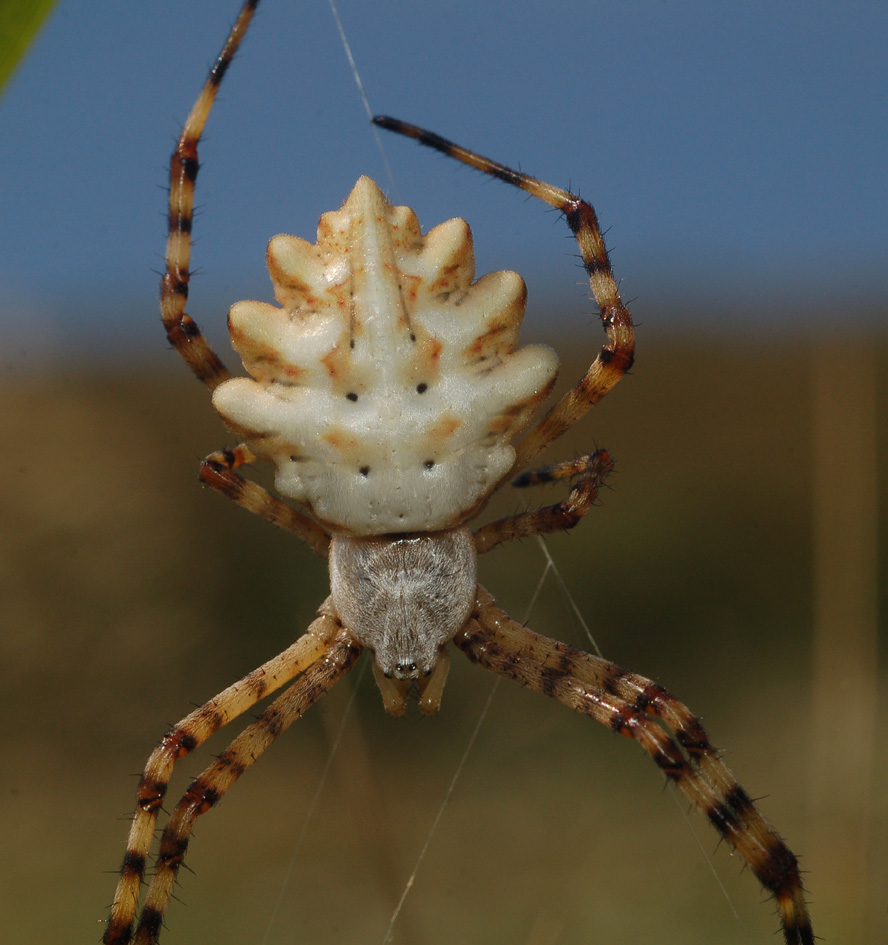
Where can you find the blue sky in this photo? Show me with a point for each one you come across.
(736, 152)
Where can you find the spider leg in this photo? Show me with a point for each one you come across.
(625, 702)
(181, 329)
(563, 469)
(592, 469)
(217, 471)
(210, 786)
(189, 734)
(615, 358)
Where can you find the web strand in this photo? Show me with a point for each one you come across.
(363, 93)
(485, 711)
(312, 807)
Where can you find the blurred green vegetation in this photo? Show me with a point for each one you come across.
(20, 21)
(130, 594)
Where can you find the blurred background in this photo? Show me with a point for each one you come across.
(736, 156)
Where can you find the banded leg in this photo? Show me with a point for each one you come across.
(625, 702)
(189, 734)
(592, 469)
(217, 471)
(210, 786)
(181, 329)
(615, 358)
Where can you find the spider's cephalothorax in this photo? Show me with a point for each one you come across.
(405, 598)
(388, 390)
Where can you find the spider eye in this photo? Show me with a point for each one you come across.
(351, 396)
(421, 388)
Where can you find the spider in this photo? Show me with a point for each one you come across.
(387, 391)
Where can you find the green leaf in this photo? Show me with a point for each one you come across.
(20, 21)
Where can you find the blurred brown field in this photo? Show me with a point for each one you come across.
(734, 560)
